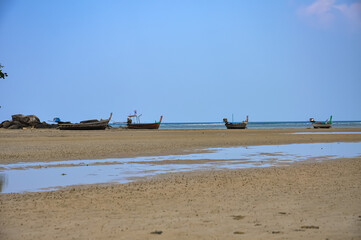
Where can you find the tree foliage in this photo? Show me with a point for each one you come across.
(2, 74)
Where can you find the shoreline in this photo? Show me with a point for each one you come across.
(307, 200)
(38, 145)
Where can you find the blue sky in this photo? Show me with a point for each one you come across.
(186, 60)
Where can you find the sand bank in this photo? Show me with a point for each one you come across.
(35, 145)
(304, 201)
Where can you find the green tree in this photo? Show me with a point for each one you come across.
(2, 75)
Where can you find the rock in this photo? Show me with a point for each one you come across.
(15, 126)
(18, 123)
(6, 124)
(32, 120)
(21, 121)
(29, 120)
(41, 125)
(45, 125)
(17, 117)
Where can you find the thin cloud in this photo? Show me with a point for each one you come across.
(326, 12)
(351, 12)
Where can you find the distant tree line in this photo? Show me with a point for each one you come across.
(2, 74)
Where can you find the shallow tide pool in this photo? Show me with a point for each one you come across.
(41, 176)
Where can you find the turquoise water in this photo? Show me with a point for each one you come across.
(250, 125)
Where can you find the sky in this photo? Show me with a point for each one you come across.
(190, 61)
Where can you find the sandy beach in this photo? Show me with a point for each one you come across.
(307, 200)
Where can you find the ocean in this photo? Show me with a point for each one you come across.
(250, 125)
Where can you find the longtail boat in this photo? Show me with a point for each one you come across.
(236, 125)
(325, 124)
(138, 125)
(86, 125)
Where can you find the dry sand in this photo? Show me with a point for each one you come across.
(303, 201)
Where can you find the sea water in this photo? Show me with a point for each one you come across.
(250, 125)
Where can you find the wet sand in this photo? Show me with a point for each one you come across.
(37, 145)
(307, 200)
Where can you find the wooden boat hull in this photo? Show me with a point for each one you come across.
(325, 124)
(83, 126)
(236, 125)
(143, 125)
(86, 125)
(321, 125)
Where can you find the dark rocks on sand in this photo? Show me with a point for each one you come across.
(45, 125)
(15, 126)
(33, 120)
(19, 121)
(29, 120)
(5, 124)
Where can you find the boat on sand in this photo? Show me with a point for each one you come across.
(235, 125)
(325, 124)
(138, 125)
(86, 125)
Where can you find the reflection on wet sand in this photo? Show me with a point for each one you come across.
(2, 181)
(47, 176)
